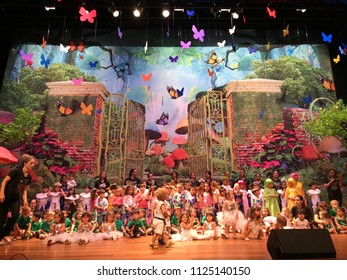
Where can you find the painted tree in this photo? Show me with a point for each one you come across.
(300, 79)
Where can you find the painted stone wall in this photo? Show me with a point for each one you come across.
(255, 109)
(75, 115)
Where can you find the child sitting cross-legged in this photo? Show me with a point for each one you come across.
(135, 227)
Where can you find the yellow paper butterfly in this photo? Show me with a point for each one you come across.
(337, 59)
(86, 109)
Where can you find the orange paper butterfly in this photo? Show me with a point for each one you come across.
(86, 109)
(146, 77)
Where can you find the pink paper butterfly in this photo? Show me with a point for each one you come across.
(86, 15)
(26, 57)
(77, 81)
(198, 34)
(185, 45)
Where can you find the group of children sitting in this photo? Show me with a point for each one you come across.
(194, 213)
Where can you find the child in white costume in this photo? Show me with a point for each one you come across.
(108, 229)
(187, 233)
(57, 231)
(314, 194)
(231, 216)
(55, 197)
(85, 231)
(85, 198)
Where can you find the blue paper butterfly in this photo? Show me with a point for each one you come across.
(327, 38)
(93, 64)
(190, 13)
(44, 61)
(252, 50)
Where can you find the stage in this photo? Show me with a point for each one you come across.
(138, 249)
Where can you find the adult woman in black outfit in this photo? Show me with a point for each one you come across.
(102, 182)
(132, 179)
(193, 180)
(333, 185)
(13, 188)
(300, 204)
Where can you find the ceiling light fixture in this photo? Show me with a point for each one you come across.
(137, 11)
(114, 11)
(48, 8)
(165, 11)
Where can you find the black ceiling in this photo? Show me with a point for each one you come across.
(319, 13)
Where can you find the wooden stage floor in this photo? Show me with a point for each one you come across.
(138, 249)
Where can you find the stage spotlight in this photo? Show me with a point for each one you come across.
(114, 11)
(165, 12)
(137, 11)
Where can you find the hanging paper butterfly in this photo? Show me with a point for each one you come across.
(272, 13)
(218, 68)
(120, 33)
(290, 51)
(64, 49)
(44, 42)
(174, 93)
(261, 113)
(198, 35)
(210, 72)
(26, 57)
(253, 49)
(86, 109)
(64, 110)
(186, 45)
(44, 61)
(147, 77)
(93, 64)
(99, 111)
(221, 44)
(268, 46)
(173, 59)
(337, 59)
(327, 38)
(145, 47)
(163, 120)
(80, 46)
(343, 49)
(232, 30)
(233, 47)
(285, 31)
(327, 83)
(77, 81)
(86, 15)
(213, 59)
(307, 100)
(190, 13)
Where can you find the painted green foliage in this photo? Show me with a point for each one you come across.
(300, 79)
(330, 121)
